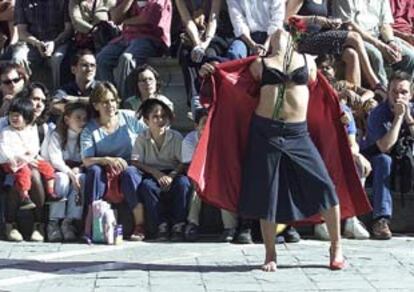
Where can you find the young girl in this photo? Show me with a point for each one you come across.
(157, 152)
(19, 149)
(63, 152)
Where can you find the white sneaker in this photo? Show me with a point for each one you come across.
(37, 234)
(321, 232)
(12, 233)
(355, 229)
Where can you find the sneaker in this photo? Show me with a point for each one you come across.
(163, 232)
(228, 235)
(52, 198)
(12, 234)
(291, 235)
(355, 229)
(138, 234)
(177, 232)
(27, 204)
(37, 234)
(321, 232)
(380, 229)
(68, 230)
(191, 232)
(54, 234)
(244, 236)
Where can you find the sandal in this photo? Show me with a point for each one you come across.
(139, 233)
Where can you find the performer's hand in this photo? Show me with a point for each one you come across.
(345, 119)
(365, 165)
(207, 69)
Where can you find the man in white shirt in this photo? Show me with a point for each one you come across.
(253, 23)
(373, 20)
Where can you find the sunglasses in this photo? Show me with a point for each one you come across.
(10, 81)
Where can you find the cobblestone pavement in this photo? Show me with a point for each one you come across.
(150, 266)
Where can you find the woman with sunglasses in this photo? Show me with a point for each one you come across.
(13, 78)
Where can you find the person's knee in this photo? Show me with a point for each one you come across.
(237, 50)
(350, 56)
(183, 181)
(355, 39)
(131, 175)
(94, 171)
(382, 162)
(126, 59)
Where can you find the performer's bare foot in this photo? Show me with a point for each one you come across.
(337, 261)
(270, 264)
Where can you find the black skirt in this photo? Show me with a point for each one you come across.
(324, 42)
(284, 177)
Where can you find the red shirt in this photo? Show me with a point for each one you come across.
(157, 26)
(403, 12)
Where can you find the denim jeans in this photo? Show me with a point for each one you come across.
(117, 60)
(96, 184)
(378, 63)
(382, 199)
(170, 206)
(238, 49)
(64, 188)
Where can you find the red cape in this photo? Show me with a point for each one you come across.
(232, 96)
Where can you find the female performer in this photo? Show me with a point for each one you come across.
(284, 178)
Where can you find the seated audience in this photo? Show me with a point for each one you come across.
(85, 15)
(164, 190)
(328, 36)
(253, 24)
(373, 20)
(13, 78)
(145, 33)
(207, 33)
(389, 122)
(38, 95)
(148, 85)
(44, 30)
(63, 152)
(106, 145)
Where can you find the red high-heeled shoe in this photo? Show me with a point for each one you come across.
(335, 265)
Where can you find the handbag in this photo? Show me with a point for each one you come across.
(103, 32)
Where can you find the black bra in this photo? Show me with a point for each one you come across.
(273, 76)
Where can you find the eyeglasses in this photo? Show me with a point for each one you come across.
(10, 81)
